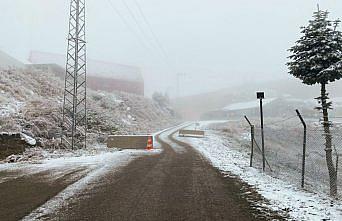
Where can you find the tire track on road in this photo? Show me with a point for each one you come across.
(169, 186)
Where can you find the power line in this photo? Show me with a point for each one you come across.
(150, 28)
(128, 25)
(136, 20)
(133, 30)
(162, 51)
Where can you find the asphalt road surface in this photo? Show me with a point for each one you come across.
(21, 195)
(170, 186)
(177, 184)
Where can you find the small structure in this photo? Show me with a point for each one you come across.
(191, 133)
(101, 75)
(130, 141)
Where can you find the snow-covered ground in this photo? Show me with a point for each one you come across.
(281, 195)
(90, 164)
(164, 137)
(337, 101)
(31, 101)
(93, 165)
(247, 105)
(10, 107)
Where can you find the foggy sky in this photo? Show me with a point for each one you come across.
(216, 43)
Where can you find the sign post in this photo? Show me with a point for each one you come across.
(261, 96)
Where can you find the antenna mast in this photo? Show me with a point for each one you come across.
(74, 126)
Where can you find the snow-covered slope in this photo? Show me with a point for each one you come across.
(31, 101)
(247, 104)
(193, 107)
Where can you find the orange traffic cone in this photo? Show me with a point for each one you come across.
(149, 143)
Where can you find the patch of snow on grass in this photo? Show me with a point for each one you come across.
(31, 141)
(6, 109)
(246, 136)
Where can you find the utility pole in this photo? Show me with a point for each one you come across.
(179, 75)
(74, 126)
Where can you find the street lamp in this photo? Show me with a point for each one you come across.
(261, 96)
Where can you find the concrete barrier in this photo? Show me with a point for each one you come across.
(128, 141)
(191, 133)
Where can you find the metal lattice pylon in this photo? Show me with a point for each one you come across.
(74, 124)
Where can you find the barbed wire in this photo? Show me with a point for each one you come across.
(277, 122)
(283, 150)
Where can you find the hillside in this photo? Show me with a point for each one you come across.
(6, 61)
(193, 107)
(31, 101)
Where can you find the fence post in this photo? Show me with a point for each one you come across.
(337, 165)
(252, 150)
(304, 147)
(252, 141)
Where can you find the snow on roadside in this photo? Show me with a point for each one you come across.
(36, 160)
(99, 164)
(282, 196)
(29, 140)
(247, 105)
(164, 136)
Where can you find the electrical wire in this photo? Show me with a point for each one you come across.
(136, 21)
(143, 35)
(161, 47)
(157, 43)
(123, 19)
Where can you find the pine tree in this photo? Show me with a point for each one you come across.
(317, 59)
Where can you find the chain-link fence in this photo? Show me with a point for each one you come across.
(284, 141)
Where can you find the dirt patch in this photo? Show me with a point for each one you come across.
(11, 144)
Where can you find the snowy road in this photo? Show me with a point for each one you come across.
(175, 184)
(35, 190)
(178, 184)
